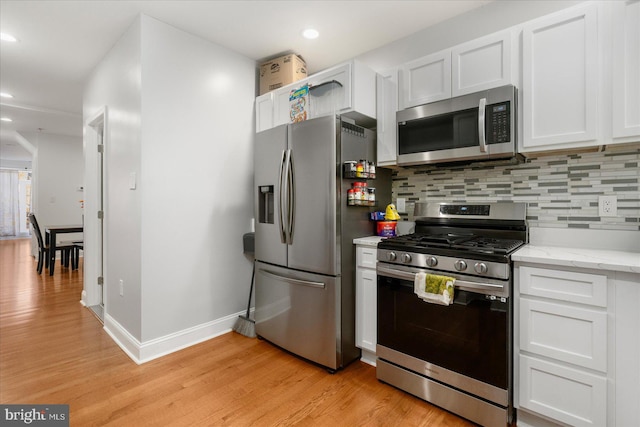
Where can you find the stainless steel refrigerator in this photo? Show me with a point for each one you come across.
(305, 258)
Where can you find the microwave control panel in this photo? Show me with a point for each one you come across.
(498, 123)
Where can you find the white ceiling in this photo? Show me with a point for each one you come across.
(60, 42)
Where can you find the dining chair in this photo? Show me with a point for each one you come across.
(66, 249)
(75, 259)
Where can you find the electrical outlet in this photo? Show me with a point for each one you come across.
(121, 287)
(607, 206)
(400, 204)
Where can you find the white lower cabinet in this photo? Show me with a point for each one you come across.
(562, 344)
(366, 302)
(576, 346)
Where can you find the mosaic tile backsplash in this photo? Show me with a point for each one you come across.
(560, 190)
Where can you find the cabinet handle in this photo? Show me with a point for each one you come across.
(325, 83)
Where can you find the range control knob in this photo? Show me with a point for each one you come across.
(480, 267)
(406, 258)
(391, 256)
(460, 265)
(432, 261)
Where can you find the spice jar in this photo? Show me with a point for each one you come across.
(371, 196)
(360, 169)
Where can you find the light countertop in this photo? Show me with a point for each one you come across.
(599, 259)
(368, 241)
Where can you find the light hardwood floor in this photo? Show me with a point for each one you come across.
(53, 350)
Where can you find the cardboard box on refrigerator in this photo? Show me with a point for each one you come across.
(281, 71)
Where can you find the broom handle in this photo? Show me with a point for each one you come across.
(253, 274)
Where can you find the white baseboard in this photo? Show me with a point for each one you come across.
(153, 349)
(368, 357)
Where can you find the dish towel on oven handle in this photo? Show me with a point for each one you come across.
(434, 288)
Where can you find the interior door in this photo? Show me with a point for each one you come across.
(313, 162)
(269, 153)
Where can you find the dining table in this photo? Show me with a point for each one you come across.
(51, 232)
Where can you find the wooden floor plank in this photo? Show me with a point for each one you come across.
(53, 350)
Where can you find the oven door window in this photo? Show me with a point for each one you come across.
(469, 337)
(443, 132)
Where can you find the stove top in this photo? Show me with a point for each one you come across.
(460, 237)
(464, 242)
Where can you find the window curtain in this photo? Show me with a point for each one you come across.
(9, 203)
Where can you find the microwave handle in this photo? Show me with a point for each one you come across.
(481, 129)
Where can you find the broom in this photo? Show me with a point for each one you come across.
(244, 325)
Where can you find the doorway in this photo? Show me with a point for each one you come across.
(94, 293)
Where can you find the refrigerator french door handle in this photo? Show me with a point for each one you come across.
(481, 127)
(283, 191)
(291, 200)
(293, 281)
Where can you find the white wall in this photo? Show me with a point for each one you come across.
(58, 170)
(197, 179)
(179, 117)
(116, 84)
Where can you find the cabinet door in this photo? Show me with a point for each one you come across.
(330, 91)
(281, 108)
(366, 306)
(264, 112)
(426, 80)
(387, 106)
(560, 79)
(570, 334)
(626, 69)
(564, 285)
(568, 395)
(481, 64)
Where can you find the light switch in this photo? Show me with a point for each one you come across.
(132, 181)
(400, 204)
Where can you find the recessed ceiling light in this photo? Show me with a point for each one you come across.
(7, 37)
(6, 119)
(5, 95)
(310, 33)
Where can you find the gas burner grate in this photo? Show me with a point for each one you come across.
(488, 244)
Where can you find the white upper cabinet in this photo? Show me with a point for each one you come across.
(477, 65)
(482, 64)
(281, 106)
(330, 91)
(387, 106)
(626, 69)
(427, 79)
(348, 89)
(560, 71)
(264, 112)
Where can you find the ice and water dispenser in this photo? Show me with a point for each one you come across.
(265, 204)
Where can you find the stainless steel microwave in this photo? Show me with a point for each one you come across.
(478, 126)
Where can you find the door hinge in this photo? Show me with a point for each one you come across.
(100, 280)
(100, 148)
(100, 214)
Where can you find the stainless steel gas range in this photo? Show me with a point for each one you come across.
(456, 356)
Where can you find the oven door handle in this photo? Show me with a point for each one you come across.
(459, 284)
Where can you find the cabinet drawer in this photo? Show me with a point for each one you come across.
(366, 256)
(571, 334)
(564, 285)
(564, 394)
